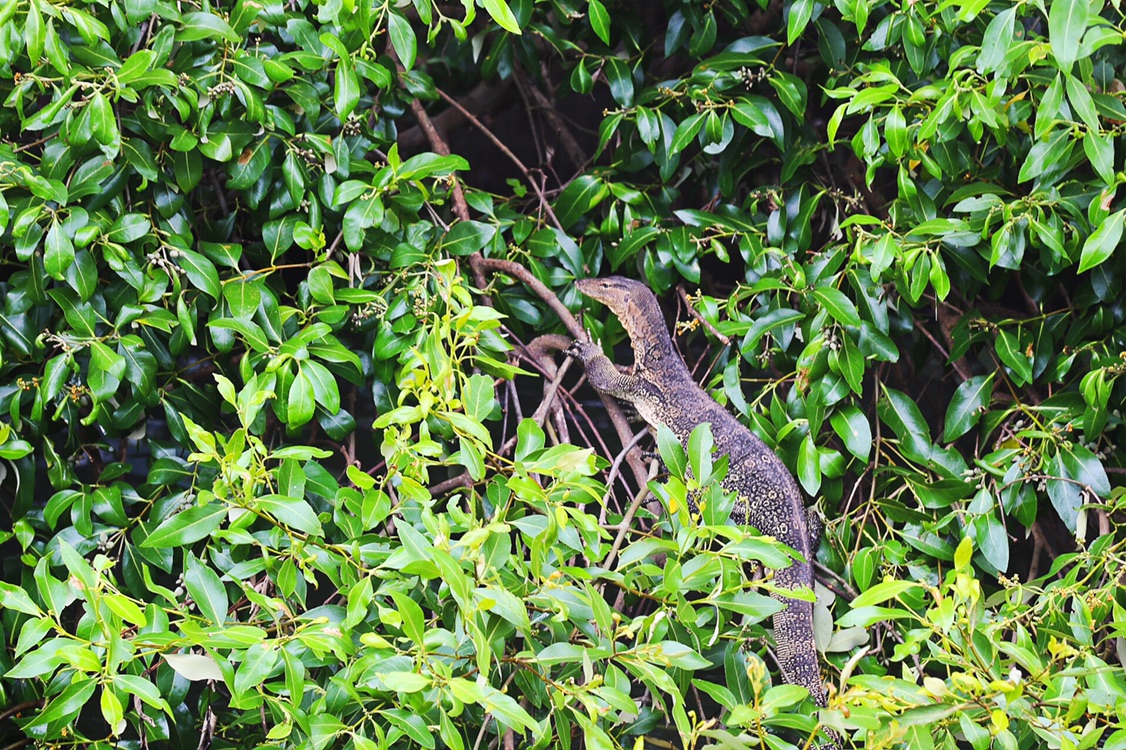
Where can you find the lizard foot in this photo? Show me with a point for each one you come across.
(584, 351)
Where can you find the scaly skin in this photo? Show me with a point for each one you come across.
(663, 391)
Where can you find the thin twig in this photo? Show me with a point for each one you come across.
(627, 519)
(621, 425)
(617, 465)
(541, 103)
(461, 208)
(512, 268)
(540, 414)
(695, 314)
(461, 480)
(507, 152)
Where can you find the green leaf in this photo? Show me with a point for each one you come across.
(258, 664)
(1081, 100)
(347, 89)
(996, 41)
(1067, 20)
(477, 397)
(700, 446)
(809, 466)
(502, 14)
(1045, 156)
(200, 271)
(243, 297)
(599, 20)
(79, 315)
(429, 164)
(882, 592)
(1100, 151)
(852, 427)
(1066, 496)
(992, 541)
(772, 320)
(249, 166)
(867, 616)
(686, 131)
(300, 400)
(966, 407)
(15, 598)
(578, 198)
(251, 331)
(405, 682)
(325, 391)
(102, 121)
(467, 237)
(34, 31)
(681, 656)
(671, 451)
(206, 590)
(291, 511)
(791, 91)
(620, 79)
(895, 131)
(749, 115)
(837, 304)
(902, 414)
(107, 368)
(850, 364)
(203, 25)
(1103, 242)
(1085, 467)
(470, 456)
(64, 707)
(800, 13)
(143, 689)
(187, 526)
(402, 39)
(58, 251)
(217, 146)
(411, 613)
(1009, 350)
(129, 227)
(361, 215)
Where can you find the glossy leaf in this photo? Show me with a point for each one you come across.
(966, 407)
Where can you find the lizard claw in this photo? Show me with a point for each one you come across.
(584, 351)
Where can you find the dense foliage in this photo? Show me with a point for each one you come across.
(285, 457)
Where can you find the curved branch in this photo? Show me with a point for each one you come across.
(480, 264)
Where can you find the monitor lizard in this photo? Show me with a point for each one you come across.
(662, 390)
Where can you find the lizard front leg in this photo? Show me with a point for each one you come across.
(602, 374)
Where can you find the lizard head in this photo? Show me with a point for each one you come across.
(636, 307)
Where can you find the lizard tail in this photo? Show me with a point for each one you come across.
(795, 649)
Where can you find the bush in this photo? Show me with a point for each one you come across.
(235, 238)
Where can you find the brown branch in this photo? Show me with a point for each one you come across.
(453, 483)
(480, 98)
(543, 348)
(828, 578)
(461, 208)
(965, 375)
(545, 405)
(626, 524)
(507, 152)
(695, 314)
(15, 710)
(545, 106)
(512, 268)
(480, 264)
